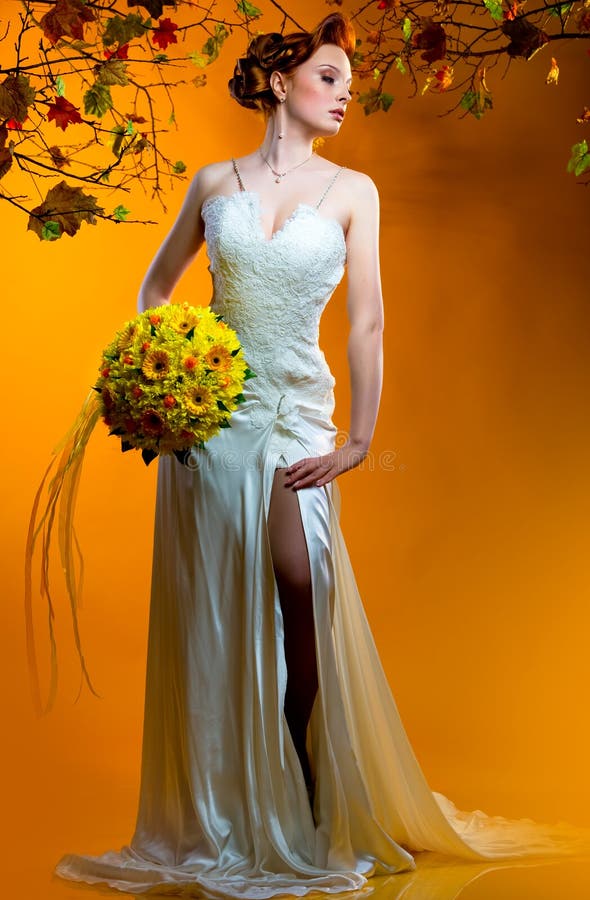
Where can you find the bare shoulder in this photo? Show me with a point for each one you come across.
(209, 179)
(361, 186)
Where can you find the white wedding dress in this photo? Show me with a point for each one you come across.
(223, 808)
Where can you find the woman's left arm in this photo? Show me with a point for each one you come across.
(365, 342)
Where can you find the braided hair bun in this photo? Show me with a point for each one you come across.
(275, 52)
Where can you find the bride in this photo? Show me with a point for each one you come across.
(274, 760)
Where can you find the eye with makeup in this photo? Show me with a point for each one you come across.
(328, 78)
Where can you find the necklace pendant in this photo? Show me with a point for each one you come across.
(278, 180)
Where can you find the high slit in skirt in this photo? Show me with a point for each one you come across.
(223, 807)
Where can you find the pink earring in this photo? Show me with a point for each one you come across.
(281, 133)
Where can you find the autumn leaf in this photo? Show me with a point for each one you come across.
(525, 38)
(66, 19)
(51, 231)
(494, 7)
(248, 10)
(432, 39)
(179, 167)
(5, 152)
(68, 207)
(63, 113)
(97, 100)
(164, 34)
(374, 100)
(58, 158)
(553, 74)
(154, 7)
(120, 213)
(585, 117)
(139, 120)
(112, 72)
(16, 95)
(580, 158)
(444, 77)
(121, 31)
(119, 53)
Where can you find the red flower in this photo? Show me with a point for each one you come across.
(151, 422)
(105, 373)
(137, 392)
(164, 33)
(169, 401)
(63, 113)
(128, 359)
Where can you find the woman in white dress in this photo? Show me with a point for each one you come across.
(274, 760)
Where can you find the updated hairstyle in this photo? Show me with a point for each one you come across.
(275, 52)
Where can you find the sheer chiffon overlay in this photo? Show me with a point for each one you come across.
(223, 808)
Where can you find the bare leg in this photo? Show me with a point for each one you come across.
(292, 572)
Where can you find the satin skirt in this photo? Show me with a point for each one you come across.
(223, 807)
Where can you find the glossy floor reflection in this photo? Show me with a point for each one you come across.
(435, 878)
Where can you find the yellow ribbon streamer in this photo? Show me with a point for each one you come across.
(62, 493)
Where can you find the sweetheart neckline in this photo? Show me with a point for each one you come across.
(289, 218)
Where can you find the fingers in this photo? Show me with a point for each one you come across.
(311, 472)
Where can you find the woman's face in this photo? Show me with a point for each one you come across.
(317, 87)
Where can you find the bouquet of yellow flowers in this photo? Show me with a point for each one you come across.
(170, 380)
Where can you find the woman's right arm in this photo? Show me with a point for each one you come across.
(179, 248)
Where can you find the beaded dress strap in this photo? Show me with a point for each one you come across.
(330, 185)
(238, 176)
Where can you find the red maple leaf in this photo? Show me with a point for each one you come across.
(119, 53)
(164, 33)
(63, 113)
(15, 125)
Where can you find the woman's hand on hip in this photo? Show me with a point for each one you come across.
(315, 471)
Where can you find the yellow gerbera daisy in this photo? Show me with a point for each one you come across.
(183, 320)
(199, 400)
(218, 358)
(156, 364)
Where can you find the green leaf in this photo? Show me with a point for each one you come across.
(580, 158)
(172, 118)
(212, 46)
(98, 100)
(118, 133)
(560, 11)
(407, 28)
(246, 9)
(249, 374)
(161, 58)
(148, 455)
(197, 59)
(494, 7)
(386, 101)
(51, 231)
(224, 424)
(130, 127)
(221, 405)
(120, 213)
(476, 103)
(399, 64)
(121, 31)
(374, 100)
(179, 167)
(60, 86)
(113, 72)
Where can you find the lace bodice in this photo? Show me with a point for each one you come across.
(273, 293)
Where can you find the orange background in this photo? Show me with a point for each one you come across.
(469, 543)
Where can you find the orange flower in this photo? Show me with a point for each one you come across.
(169, 401)
(128, 359)
(218, 357)
(155, 319)
(145, 346)
(137, 392)
(191, 362)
